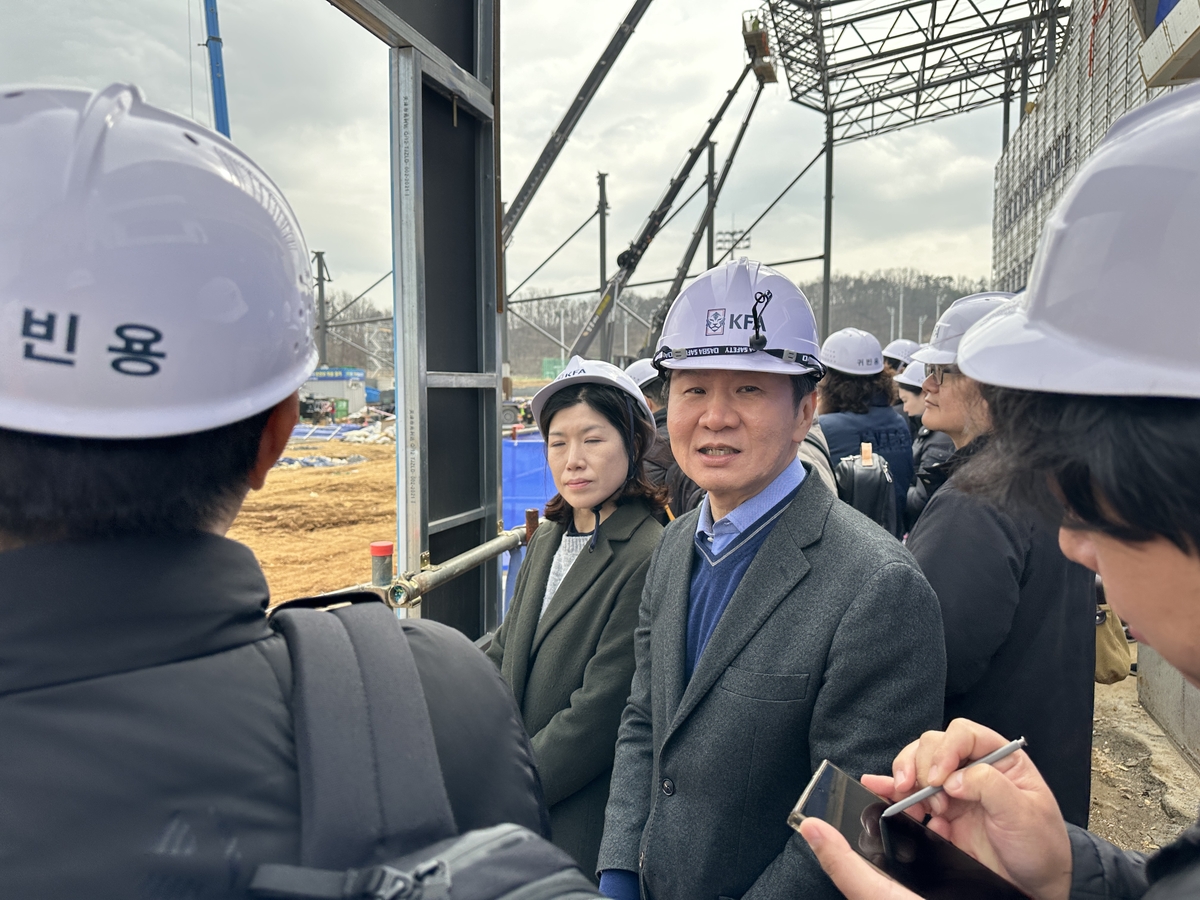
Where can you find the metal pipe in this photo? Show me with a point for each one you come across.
(322, 321)
(408, 589)
(216, 68)
(606, 340)
(828, 224)
(1025, 40)
(712, 201)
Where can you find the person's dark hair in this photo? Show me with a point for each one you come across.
(802, 386)
(60, 488)
(654, 392)
(856, 393)
(622, 412)
(906, 387)
(1124, 466)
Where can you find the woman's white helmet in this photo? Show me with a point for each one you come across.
(153, 279)
(594, 371)
(852, 351)
(942, 349)
(742, 316)
(901, 349)
(642, 371)
(1111, 307)
(913, 375)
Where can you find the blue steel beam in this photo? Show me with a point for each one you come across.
(216, 68)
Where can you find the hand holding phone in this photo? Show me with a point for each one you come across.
(899, 847)
(1004, 815)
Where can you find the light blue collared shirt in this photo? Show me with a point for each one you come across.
(725, 531)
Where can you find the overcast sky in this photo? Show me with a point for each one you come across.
(308, 96)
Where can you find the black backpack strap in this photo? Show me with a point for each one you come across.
(367, 761)
(813, 441)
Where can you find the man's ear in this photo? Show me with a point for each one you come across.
(804, 417)
(275, 436)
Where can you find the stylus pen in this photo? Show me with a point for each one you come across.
(925, 793)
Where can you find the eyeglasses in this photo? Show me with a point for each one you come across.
(939, 373)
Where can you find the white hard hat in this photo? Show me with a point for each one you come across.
(642, 372)
(153, 280)
(901, 349)
(593, 371)
(913, 375)
(742, 316)
(1111, 307)
(964, 312)
(852, 351)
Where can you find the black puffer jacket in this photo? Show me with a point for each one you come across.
(1101, 871)
(929, 449)
(1019, 622)
(147, 747)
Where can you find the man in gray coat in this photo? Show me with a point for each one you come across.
(778, 626)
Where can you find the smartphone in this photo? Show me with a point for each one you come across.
(899, 846)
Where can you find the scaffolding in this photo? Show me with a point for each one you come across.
(877, 67)
(1098, 79)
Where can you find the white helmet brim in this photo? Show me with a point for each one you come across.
(933, 357)
(1007, 350)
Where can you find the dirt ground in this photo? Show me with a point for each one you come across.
(311, 527)
(1143, 792)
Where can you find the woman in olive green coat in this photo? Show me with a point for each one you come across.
(566, 645)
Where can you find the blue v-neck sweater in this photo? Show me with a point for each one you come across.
(716, 577)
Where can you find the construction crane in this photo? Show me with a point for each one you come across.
(574, 113)
(755, 36)
(628, 261)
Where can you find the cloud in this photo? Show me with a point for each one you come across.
(308, 99)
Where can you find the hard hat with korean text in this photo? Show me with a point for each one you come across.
(852, 351)
(153, 280)
(742, 316)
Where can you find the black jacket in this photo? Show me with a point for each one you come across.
(570, 667)
(659, 459)
(147, 746)
(1100, 871)
(928, 450)
(1020, 630)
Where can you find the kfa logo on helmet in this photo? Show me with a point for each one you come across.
(715, 322)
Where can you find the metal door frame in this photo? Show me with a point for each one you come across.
(415, 63)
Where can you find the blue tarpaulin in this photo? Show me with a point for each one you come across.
(527, 484)
(526, 480)
(321, 432)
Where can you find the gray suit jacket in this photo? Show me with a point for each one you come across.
(831, 647)
(570, 669)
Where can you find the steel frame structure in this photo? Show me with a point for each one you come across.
(877, 67)
(444, 144)
(872, 67)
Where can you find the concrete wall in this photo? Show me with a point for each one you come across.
(1172, 701)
